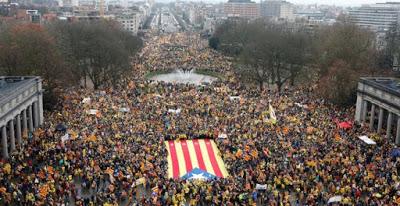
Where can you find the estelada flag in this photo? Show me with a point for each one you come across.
(186, 155)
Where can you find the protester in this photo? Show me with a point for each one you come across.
(113, 151)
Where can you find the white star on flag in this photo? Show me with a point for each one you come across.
(197, 176)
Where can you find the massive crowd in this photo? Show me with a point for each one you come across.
(112, 151)
(180, 51)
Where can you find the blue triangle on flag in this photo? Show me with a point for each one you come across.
(198, 174)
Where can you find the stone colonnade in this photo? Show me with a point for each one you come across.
(21, 112)
(379, 119)
(18, 127)
(378, 106)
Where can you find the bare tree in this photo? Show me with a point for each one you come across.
(28, 49)
(345, 42)
(253, 67)
(273, 53)
(344, 53)
(99, 50)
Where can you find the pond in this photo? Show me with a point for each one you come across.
(184, 77)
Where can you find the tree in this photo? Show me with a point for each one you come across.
(233, 35)
(337, 85)
(253, 66)
(345, 42)
(391, 49)
(28, 49)
(99, 50)
(273, 53)
(298, 53)
(213, 42)
(64, 53)
(344, 53)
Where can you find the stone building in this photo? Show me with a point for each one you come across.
(21, 110)
(378, 104)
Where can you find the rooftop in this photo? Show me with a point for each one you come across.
(240, 1)
(383, 5)
(10, 85)
(389, 84)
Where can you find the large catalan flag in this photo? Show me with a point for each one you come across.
(187, 156)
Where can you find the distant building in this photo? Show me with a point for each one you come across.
(12, 13)
(5, 8)
(130, 21)
(380, 18)
(34, 16)
(196, 14)
(87, 4)
(279, 9)
(68, 3)
(116, 3)
(89, 18)
(396, 64)
(310, 15)
(242, 9)
(49, 17)
(209, 25)
(90, 4)
(150, 2)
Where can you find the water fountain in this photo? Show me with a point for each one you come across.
(183, 76)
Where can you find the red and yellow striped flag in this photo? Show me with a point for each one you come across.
(186, 155)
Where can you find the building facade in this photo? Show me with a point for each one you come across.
(379, 18)
(378, 105)
(130, 21)
(277, 9)
(242, 9)
(21, 110)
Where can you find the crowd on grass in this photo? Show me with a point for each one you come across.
(105, 147)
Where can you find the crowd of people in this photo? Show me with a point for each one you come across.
(112, 152)
(183, 51)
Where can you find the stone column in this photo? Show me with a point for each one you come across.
(389, 125)
(19, 136)
(24, 123)
(30, 117)
(35, 115)
(372, 117)
(4, 145)
(359, 107)
(380, 119)
(364, 111)
(12, 135)
(398, 131)
(40, 102)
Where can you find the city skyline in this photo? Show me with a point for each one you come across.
(340, 2)
(352, 3)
